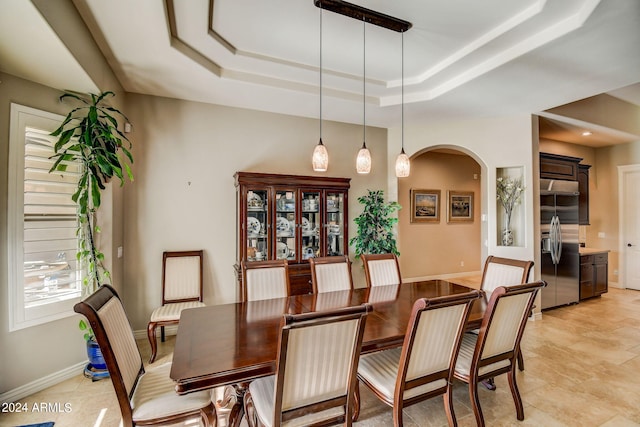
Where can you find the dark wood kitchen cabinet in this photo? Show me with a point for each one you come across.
(583, 199)
(555, 166)
(594, 275)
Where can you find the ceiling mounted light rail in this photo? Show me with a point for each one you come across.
(362, 13)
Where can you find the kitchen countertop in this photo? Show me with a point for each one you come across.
(591, 251)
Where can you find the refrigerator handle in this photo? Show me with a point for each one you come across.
(559, 251)
(552, 239)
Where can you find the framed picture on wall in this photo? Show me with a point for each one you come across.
(425, 205)
(460, 206)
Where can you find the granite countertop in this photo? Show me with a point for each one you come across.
(591, 251)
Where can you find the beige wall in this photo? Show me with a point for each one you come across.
(493, 142)
(183, 197)
(603, 192)
(431, 249)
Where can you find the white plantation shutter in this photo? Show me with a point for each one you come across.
(50, 242)
(44, 277)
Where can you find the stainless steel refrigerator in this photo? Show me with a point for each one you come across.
(560, 260)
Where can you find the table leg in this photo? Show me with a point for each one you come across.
(236, 394)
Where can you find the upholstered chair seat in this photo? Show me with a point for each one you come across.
(493, 351)
(146, 396)
(423, 367)
(316, 368)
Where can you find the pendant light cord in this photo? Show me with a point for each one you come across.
(321, 76)
(364, 84)
(402, 91)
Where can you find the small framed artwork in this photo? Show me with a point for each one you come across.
(460, 208)
(425, 205)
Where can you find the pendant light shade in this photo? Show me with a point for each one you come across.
(403, 164)
(320, 158)
(363, 161)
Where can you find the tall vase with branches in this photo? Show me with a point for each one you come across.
(89, 135)
(509, 192)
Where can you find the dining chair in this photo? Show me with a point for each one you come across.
(504, 272)
(316, 367)
(494, 349)
(381, 269)
(145, 396)
(332, 273)
(265, 279)
(181, 289)
(423, 367)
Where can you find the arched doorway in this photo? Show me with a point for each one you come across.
(450, 244)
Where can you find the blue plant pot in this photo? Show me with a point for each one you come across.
(95, 355)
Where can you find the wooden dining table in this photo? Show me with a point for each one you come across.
(231, 344)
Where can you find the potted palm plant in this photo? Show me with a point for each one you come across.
(89, 135)
(375, 225)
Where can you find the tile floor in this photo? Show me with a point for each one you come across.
(582, 369)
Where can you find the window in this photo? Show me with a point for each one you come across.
(44, 277)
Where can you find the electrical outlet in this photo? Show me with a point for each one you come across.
(615, 272)
(601, 234)
(461, 263)
(120, 250)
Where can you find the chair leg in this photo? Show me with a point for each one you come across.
(448, 407)
(511, 376)
(475, 401)
(151, 334)
(162, 333)
(250, 411)
(356, 402)
(520, 360)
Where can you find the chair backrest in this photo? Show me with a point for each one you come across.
(331, 273)
(181, 276)
(504, 272)
(105, 313)
(432, 342)
(265, 279)
(503, 324)
(317, 363)
(381, 269)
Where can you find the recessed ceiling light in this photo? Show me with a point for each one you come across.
(586, 133)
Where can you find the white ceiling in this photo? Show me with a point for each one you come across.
(461, 57)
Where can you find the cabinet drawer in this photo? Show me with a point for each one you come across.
(586, 259)
(601, 258)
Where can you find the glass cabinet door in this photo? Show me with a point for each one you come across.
(311, 224)
(257, 248)
(334, 224)
(285, 224)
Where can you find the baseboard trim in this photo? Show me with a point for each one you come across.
(616, 285)
(43, 383)
(141, 334)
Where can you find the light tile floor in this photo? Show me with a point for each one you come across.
(582, 369)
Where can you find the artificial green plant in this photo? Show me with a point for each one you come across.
(374, 234)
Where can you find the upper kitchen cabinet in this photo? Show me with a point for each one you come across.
(555, 166)
(583, 188)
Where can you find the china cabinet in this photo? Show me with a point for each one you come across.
(290, 217)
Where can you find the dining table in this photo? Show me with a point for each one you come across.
(232, 344)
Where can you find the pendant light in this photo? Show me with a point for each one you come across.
(363, 161)
(403, 165)
(320, 158)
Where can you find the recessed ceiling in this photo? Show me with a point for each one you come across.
(461, 58)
